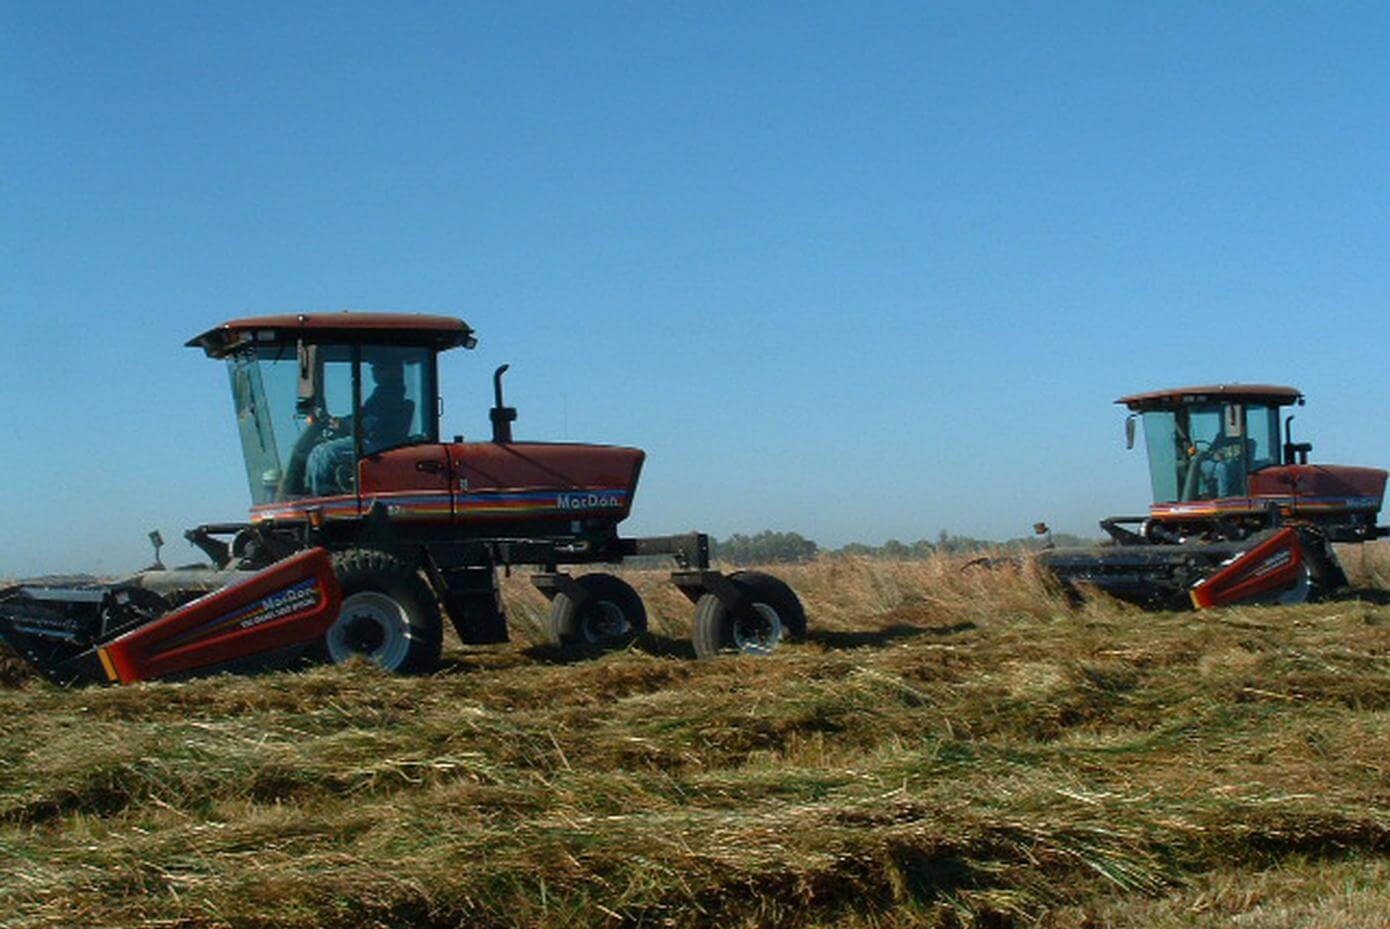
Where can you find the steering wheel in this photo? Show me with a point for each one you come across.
(1221, 449)
(293, 481)
(332, 427)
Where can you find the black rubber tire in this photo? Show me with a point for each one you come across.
(716, 630)
(610, 598)
(776, 592)
(417, 620)
(713, 631)
(1325, 572)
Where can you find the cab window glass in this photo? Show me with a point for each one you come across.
(294, 445)
(1262, 425)
(1216, 452)
(337, 384)
(325, 442)
(1166, 451)
(396, 398)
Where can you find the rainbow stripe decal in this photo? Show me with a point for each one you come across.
(442, 506)
(546, 503)
(330, 507)
(433, 507)
(1253, 505)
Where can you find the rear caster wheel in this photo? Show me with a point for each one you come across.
(765, 588)
(612, 617)
(775, 616)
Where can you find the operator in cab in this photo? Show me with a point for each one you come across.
(386, 417)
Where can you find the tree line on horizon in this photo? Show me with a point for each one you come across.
(773, 547)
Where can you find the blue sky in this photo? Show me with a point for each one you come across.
(857, 270)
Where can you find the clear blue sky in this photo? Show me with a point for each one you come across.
(857, 270)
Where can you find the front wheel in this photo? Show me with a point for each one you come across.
(389, 615)
(612, 617)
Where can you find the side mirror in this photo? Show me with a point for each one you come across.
(1129, 430)
(308, 379)
(157, 541)
(1233, 420)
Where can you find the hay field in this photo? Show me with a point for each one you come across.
(952, 748)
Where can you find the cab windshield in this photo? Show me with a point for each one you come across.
(1208, 451)
(306, 416)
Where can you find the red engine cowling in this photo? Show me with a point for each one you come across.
(1315, 487)
(544, 481)
(489, 482)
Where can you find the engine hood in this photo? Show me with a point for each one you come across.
(1322, 482)
(546, 478)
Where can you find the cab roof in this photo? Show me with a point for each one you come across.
(437, 332)
(1273, 394)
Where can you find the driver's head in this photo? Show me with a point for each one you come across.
(388, 374)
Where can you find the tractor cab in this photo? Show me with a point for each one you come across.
(1226, 452)
(315, 394)
(338, 414)
(1205, 442)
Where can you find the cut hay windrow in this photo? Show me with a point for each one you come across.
(961, 749)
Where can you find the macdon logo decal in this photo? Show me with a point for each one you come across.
(302, 596)
(594, 500)
(289, 601)
(1273, 563)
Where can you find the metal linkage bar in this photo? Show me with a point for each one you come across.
(691, 550)
(695, 584)
(560, 583)
(1114, 527)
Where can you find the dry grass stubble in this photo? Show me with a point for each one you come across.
(953, 747)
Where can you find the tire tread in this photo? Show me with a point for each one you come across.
(362, 569)
(562, 626)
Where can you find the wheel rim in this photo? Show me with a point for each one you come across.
(604, 621)
(760, 635)
(373, 626)
(1298, 593)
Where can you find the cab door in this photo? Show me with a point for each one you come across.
(413, 483)
(403, 465)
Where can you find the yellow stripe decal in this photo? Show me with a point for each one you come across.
(106, 663)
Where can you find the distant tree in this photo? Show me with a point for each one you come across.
(766, 547)
(895, 549)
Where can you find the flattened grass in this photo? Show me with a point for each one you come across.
(952, 748)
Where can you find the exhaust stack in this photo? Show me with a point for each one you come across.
(502, 416)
